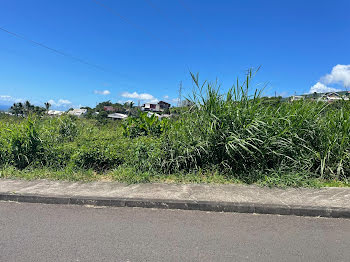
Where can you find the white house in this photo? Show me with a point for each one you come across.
(159, 107)
(55, 113)
(160, 117)
(116, 116)
(77, 112)
(333, 96)
(296, 98)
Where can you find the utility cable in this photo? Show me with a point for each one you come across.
(52, 49)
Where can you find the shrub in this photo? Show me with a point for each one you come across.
(67, 127)
(144, 124)
(145, 154)
(25, 143)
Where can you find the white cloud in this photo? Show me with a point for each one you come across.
(124, 101)
(283, 94)
(322, 88)
(6, 98)
(64, 102)
(60, 102)
(153, 101)
(175, 100)
(340, 75)
(10, 99)
(102, 92)
(143, 96)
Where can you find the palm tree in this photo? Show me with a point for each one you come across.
(20, 108)
(131, 104)
(28, 107)
(47, 106)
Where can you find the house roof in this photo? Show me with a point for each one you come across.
(109, 108)
(55, 112)
(117, 116)
(162, 102)
(78, 112)
(331, 94)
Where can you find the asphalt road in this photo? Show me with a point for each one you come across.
(38, 232)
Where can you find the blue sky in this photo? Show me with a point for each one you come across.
(146, 47)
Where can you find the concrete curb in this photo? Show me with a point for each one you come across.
(333, 212)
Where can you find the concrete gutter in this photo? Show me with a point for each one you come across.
(325, 202)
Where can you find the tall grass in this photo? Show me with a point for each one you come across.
(245, 136)
(238, 134)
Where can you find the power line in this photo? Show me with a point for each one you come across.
(52, 49)
(141, 28)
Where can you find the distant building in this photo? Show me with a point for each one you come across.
(109, 109)
(78, 112)
(333, 96)
(159, 107)
(163, 105)
(150, 114)
(160, 117)
(55, 113)
(296, 98)
(117, 116)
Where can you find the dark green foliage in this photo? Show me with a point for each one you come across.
(97, 156)
(26, 109)
(101, 117)
(144, 125)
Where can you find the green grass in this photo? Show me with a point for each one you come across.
(130, 176)
(231, 137)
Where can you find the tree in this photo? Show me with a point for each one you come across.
(100, 106)
(47, 106)
(102, 117)
(14, 109)
(131, 104)
(38, 110)
(28, 107)
(17, 109)
(21, 108)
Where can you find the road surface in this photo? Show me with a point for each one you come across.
(38, 232)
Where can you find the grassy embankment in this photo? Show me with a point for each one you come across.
(231, 138)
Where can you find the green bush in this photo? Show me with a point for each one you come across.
(25, 144)
(97, 156)
(145, 154)
(67, 127)
(144, 125)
